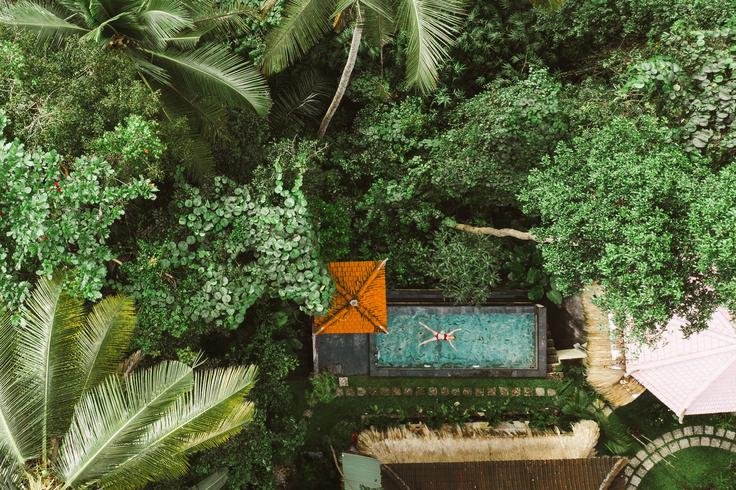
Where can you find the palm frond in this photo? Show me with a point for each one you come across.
(105, 339)
(205, 409)
(305, 99)
(110, 419)
(304, 23)
(186, 40)
(223, 19)
(214, 71)
(163, 20)
(18, 421)
(44, 23)
(229, 427)
(10, 470)
(48, 344)
(148, 69)
(431, 27)
(378, 21)
(215, 481)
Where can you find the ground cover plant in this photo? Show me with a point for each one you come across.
(478, 145)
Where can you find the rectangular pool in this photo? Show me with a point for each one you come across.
(492, 341)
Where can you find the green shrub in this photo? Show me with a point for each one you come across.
(690, 81)
(495, 138)
(66, 97)
(228, 248)
(466, 266)
(614, 207)
(55, 219)
(133, 148)
(324, 389)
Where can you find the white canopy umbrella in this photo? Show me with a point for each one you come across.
(694, 375)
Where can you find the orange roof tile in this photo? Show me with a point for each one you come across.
(359, 303)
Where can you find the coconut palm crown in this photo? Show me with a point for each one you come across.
(430, 28)
(71, 417)
(170, 41)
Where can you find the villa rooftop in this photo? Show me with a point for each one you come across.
(560, 474)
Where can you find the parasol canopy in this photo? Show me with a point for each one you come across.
(693, 375)
(359, 303)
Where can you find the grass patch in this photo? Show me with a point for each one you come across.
(695, 467)
(648, 418)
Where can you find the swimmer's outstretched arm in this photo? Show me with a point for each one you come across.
(451, 344)
(433, 332)
(427, 341)
(456, 330)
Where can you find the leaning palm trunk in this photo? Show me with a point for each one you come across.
(70, 419)
(344, 78)
(400, 445)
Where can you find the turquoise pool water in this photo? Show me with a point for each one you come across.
(488, 339)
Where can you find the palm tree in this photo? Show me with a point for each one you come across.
(430, 27)
(70, 419)
(170, 41)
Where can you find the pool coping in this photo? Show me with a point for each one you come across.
(539, 372)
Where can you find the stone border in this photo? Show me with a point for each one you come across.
(671, 442)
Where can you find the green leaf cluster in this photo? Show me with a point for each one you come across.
(691, 80)
(134, 148)
(54, 218)
(228, 248)
(466, 267)
(615, 208)
(67, 97)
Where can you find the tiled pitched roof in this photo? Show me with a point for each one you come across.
(694, 375)
(559, 474)
(359, 303)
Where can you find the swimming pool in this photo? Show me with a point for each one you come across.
(492, 340)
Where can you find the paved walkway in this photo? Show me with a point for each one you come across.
(491, 391)
(671, 442)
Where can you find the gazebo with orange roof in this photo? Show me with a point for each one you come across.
(359, 303)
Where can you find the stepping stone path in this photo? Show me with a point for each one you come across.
(670, 443)
(490, 392)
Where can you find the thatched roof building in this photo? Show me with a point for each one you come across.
(464, 444)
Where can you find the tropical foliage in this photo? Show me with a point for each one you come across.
(54, 217)
(428, 26)
(614, 207)
(481, 144)
(173, 44)
(72, 413)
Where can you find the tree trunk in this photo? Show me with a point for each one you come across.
(498, 232)
(344, 78)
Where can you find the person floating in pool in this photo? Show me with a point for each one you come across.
(440, 336)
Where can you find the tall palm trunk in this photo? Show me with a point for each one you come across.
(344, 78)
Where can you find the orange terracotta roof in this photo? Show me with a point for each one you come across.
(359, 303)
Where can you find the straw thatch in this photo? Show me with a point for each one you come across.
(465, 444)
(605, 374)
